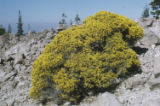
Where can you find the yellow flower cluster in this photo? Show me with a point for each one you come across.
(88, 56)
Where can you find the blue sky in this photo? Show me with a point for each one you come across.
(41, 14)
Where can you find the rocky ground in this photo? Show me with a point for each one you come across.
(16, 58)
(143, 89)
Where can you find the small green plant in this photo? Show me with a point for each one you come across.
(2, 30)
(87, 57)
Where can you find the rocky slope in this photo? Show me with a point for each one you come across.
(143, 89)
(16, 58)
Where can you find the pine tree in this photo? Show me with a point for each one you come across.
(145, 13)
(63, 21)
(9, 28)
(77, 19)
(155, 4)
(2, 30)
(20, 24)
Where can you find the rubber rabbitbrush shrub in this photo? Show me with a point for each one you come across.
(86, 57)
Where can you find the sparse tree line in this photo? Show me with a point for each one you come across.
(20, 30)
(63, 24)
(77, 20)
(19, 27)
(155, 12)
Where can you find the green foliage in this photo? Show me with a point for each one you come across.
(20, 24)
(86, 57)
(2, 30)
(9, 28)
(145, 13)
(155, 4)
(77, 19)
(63, 21)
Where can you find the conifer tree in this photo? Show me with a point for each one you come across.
(77, 19)
(2, 30)
(155, 4)
(9, 28)
(20, 25)
(145, 13)
(63, 21)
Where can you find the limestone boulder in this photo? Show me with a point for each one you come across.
(105, 99)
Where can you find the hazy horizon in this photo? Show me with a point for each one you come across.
(44, 14)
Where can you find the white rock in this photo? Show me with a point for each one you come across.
(152, 102)
(105, 99)
(15, 81)
(148, 41)
(5, 78)
(157, 62)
